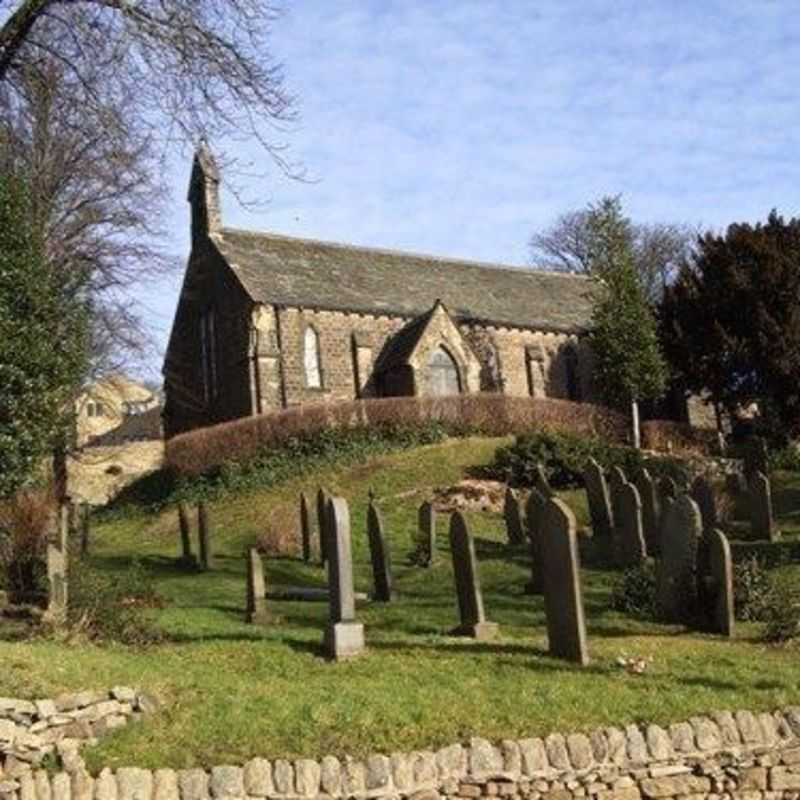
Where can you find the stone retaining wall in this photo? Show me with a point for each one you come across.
(723, 756)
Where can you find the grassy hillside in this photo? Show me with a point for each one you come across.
(233, 690)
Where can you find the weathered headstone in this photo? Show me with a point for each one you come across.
(380, 557)
(512, 514)
(676, 571)
(667, 488)
(703, 494)
(629, 544)
(721, 612)
(762, 522)
(563, 596)
(735, 484)
(599, 500)
(534, 510)
(204, 536)
(85, 528)
(541, 481)
(616, 476)
(344, 637)
(468, 588)
(322, 523)
(186, 533)
(305, 527)
(57, 568)
(257, 613)
(755, 457)
(651, 510)
(426, 533)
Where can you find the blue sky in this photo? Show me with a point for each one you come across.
(459, 127)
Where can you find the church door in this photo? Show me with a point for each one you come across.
(441, 376)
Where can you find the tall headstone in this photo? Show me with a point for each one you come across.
(322, 524)
(755, 457)
(512, 514)
(257, 613)
(676, 571)
(762, 522)
(305, 527)
(426, 533)
(85, 528)
(468, 588)
(599, 500)
(380, 557)
(344, 637)
(541, 481)
(629, 544)
(57, 568)
(186, 533)
(616, 476)
(204, 536)
(721, 610)
(651, 511)
(703, 494)
(563, 596)
(534, 511)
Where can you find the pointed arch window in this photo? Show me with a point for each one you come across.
(442, 376)
(311, 359)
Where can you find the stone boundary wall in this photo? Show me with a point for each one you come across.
(723, 756)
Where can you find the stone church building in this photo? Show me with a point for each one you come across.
(265, 322)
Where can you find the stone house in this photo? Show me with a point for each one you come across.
(266, 321)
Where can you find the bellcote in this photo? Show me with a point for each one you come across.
(204, 193)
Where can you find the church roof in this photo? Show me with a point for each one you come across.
(287, 271)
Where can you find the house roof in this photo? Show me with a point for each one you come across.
(287, 271)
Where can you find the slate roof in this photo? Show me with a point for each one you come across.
(287, 271)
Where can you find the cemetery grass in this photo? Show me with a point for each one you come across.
(232, 691)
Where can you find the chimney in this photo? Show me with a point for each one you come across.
(204, 193)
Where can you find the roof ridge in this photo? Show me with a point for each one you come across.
(409, 253)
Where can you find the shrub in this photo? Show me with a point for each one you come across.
(635, 591)
(783, 614)
(786, 458)
(752, 590)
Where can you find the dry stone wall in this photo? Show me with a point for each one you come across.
(722, 756)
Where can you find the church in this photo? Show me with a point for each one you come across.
(265, 322)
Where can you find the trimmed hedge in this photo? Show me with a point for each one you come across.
(677, 437)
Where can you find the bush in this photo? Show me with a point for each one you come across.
(752, 590)
(112, 608)
(787, 458)
(783, 614)
(635, 591)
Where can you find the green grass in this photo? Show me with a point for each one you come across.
(233, 690)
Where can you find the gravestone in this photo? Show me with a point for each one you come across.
(305, 527)
(735, 484)
(629, 545)
(257, 613)
(534, 509)
(721, 610)
(512, 514)
(344, 637)
(322, 524)
(204, 536)
(85, 529)
(599, 500)
(676, 570)
(186, 533)
(468, 588)
(616, 476)
(755, 458)
(57, 568)
(426, 534)
(762, 522)
(563, 596)
(380, 557)
(667, 488)
(703, 494)
(541, 481)
(651, 511)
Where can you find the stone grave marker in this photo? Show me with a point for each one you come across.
(676, 570)
(322, 523)
(57, 568)
(534, 509)
(667, 488)
(305, 527)
(541, 481)
(762, 522)
(257, 613)
(512, 514)
(344, 637)
(616, 476)
(755, 458)
(186, 533)
(629, 544)
(563, 596)
(468, 588)
(721, 616)
(703, 494)
(380, 556)
(85, 528)
(651, 511)
(426, 533)
(599, 500)
(204, 536)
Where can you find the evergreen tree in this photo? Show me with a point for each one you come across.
(627, 360)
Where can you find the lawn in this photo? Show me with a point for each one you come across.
(233, 690)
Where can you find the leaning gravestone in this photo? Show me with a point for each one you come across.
(468, 587)
(426, 533)
(762, 522)
(322, 524)
(755, 458)
(534, 510)
(629, 545)
(305, 527)
(563, 596)
(344, 637)
(721, 611)
(379, 555)
(651, 511)
(204, 536)
(257, 613)
(512, 514)
(57, 566)
(541, 482)
(703, 494)
(599, 500)
(676, 571)
(186, 533)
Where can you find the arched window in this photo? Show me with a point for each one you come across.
(311, 359)
(441, 374)
(573, 377)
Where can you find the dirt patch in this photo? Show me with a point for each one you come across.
(471, 494)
